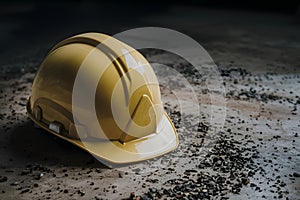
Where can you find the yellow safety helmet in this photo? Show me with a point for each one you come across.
(125, 122)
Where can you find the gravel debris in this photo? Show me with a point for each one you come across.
(259, 142)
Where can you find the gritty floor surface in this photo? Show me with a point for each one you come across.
(255, 155)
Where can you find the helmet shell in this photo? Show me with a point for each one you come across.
(127, 97)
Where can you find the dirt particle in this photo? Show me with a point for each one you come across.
(295, 174)
(3, 179)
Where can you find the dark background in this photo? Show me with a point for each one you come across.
(28, 29)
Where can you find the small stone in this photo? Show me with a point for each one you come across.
(97, 198)
(3, 179)
(14, 183)
(24, 191)
(138, 198)
(25, 172)
(252, 185)
(152, 190)
(39, 176)
(132, 195)
(81, 192)
(245, 181)
(295, 174)
(120, 175)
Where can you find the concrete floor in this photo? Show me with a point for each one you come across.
(257, 55)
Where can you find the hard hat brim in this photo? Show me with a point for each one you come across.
(157, 144)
